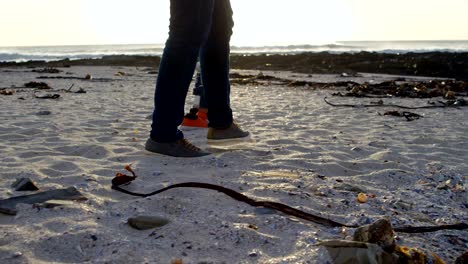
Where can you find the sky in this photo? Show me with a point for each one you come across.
(257, 22)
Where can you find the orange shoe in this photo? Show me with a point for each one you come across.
(195, 118)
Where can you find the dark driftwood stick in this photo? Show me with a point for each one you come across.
(8, 206)
(287, 209)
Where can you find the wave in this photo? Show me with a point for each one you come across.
(51, 53)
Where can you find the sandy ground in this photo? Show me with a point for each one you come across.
(303, 153)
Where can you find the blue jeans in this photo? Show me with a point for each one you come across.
(197, 28)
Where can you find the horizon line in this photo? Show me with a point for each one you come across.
(237, 46)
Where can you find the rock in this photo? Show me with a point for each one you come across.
(362, 198)
(380, 232)
(147, 222)
(8, 206)
(344, 252)
(24, 184)
(54, 203)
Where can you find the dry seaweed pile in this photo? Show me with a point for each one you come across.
(448, 89)
(400, 87)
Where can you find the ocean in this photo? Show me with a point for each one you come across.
(50, 53)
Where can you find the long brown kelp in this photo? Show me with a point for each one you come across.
(122, 179)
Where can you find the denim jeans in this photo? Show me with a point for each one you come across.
(197, 28)
(198, 90)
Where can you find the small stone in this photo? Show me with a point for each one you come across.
(253, 254)
(147, 222)
(17, 254)
(362, 198)
(24, 184)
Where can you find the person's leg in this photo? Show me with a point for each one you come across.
(190, 25)
(199, 91)
(214, 59)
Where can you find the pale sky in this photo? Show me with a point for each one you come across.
(258, 22)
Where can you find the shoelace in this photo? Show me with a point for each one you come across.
(187, 145)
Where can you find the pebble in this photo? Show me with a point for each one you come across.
(147, 222)
(17, 254)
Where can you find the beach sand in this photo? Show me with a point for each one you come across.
(303, 153)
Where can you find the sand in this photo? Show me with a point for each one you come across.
(303, 153)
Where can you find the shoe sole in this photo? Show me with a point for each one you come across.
(230, 141)
(190, 128)
(151, 146)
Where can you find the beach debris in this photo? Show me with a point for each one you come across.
(362, 198)
(144, 222)
(88, 77)
(8, 206)
(24, 184)
(408, 115)
(125, 179)
(38, 85)
(47, 96)
(121, 179)
(47, 70)
(448, 89)
(120, 73)
(5, 91)
(375, 243)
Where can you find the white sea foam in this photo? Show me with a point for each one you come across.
(49, 53)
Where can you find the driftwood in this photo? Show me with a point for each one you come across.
(121, 179)
(8, 206)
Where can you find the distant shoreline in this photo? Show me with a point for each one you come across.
(431, 64)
